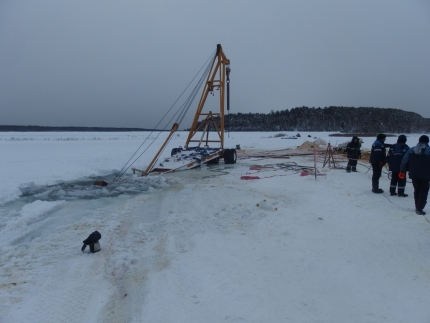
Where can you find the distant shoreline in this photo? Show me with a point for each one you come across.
(69, 129)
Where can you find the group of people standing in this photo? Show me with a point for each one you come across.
(400, 159)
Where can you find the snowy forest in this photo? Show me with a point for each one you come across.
(339, 119)
(342, 119)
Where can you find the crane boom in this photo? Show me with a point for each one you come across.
(218, 79)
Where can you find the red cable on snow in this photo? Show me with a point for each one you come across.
(249, 177)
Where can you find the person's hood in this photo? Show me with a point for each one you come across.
(355, 137)
(402, 139)
(418, 149)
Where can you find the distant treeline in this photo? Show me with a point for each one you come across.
(70, 129)
(338, 119)
(333, 118)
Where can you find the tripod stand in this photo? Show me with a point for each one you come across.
(329, 157)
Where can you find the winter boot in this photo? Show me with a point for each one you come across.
(393, 189)
(348, 169)
(420, 204)
(354, 169)
(375, 187)
(402, 193)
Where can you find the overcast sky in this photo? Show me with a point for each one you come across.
(111, 63)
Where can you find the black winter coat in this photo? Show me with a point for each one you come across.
(353, 149)
(378, 153)
(395, 156)
(417, 162)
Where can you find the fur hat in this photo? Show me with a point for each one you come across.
(401, 139)
(424, 138)
(380, 136)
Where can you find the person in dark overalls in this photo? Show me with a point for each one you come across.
(417, 162)
(394, 160)
(353, 153)
(378, 158)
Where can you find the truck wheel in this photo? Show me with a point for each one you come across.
(226, 156)
(233, 156)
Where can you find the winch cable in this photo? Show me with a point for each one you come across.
(184, 109)
(388, 172)
(126, 166)
(390, 175)
(368, 166)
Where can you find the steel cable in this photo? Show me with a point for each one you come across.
(184, 109)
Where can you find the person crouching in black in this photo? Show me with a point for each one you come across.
(394, 160)
(378, 159)
(93, 242)
(353, 153)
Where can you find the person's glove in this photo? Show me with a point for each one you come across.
(83, 247)
(381, 164)
(402, 175)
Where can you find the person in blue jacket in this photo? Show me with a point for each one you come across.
(417, 162)
(378, 158)
(394, 160)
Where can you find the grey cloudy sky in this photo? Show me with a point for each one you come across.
(112, 63)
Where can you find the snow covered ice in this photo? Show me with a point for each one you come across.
(203, 245)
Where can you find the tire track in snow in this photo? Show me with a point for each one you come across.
(190, 292)
(51, 263)
(60, 298)
(130, 258)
